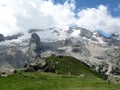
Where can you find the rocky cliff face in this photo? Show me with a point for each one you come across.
(35, 47)
(16, 55)
(87, 46)
(101, 58)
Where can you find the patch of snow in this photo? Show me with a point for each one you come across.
(99, 39)
(75, 33)
(49, 36)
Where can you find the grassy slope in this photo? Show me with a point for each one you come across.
(51, 81)
(71, 65)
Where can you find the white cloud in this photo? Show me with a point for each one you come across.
(98, 18)
(119, 6)
(7, 20)
(21, 15)
(63, 15)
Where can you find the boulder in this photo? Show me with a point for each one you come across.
(36, 65)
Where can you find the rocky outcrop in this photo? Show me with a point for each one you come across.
(113, 79)
(2, 38)
(114, 56)
(35, 47)
(37, 65)
(34, 30)
(87, 34)
(16, 36)
(6, 69)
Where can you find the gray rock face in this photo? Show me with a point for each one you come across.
(35, 47)
(113, 79)
(104, 58)
(14, 56)
(88, 34)
(16, 36)
(114, 56)
(80, 48)
(36, 39)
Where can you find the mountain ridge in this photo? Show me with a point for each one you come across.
(82, 44)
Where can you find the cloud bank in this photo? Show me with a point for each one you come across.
(22, 15)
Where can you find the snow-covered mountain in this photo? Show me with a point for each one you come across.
(100, 53)
(55, 34)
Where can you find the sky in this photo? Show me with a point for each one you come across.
(113, 5)
(22, 15)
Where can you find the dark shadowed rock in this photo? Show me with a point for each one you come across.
(2, 38)
(16, 36)
(87, 33)
(35, 47)
(37, 65)
(34, 30)
(36, 40)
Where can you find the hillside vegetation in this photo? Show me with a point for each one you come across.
(70, 74)
(71, 66)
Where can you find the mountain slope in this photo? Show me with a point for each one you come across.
(70, 65)
(73, 75)
(82, 44)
